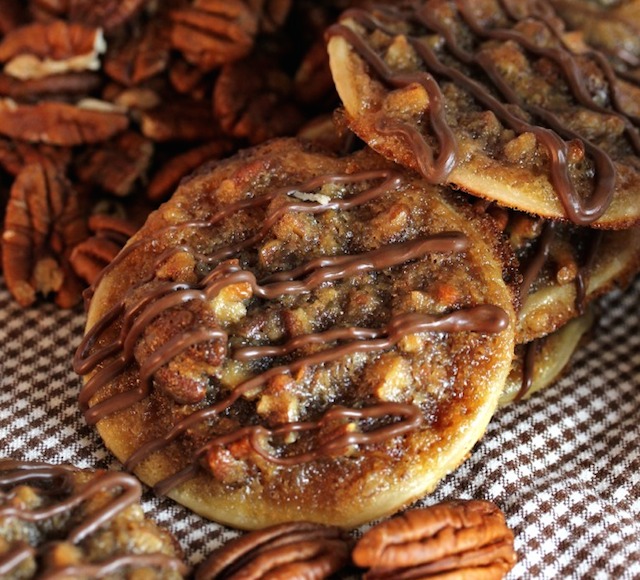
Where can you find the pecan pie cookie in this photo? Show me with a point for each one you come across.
(59, 522)
(491, 97)
(564, 268)
(295, 336)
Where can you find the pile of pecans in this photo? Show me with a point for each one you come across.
(105, 105)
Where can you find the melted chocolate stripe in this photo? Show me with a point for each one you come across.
(158, 359)
(537, 261)
(12, 558)
(114, 564)
(108, 480)
(59, 479)
(411, 418)
(434, 168)
(171, 294)
(563, 58)
(484, 318)
(578, 211)
(305, 278)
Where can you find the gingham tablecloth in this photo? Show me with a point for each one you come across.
(564, 465)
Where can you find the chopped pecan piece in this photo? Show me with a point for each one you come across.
(38, 50)
(44, 220)
(210, 33)
(291, 550)
(59, 123)
(170, 174)
(469, 538)
(116, 166)
(255, 106)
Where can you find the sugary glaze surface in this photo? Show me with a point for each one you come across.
(58, 522)
(490, 96)
(299, 337)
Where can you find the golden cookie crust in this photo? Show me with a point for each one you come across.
(332, 428)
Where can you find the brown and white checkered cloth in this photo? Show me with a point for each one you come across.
(564, 465)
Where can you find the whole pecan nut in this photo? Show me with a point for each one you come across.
(211, 33)
(91, 256)
(59, 123)
(117, 165)
(38, 50)
(290, 550)
(169, 175)
(255, 106)
(470, 538)
(108, 14)
(139, 56)
(43, 221)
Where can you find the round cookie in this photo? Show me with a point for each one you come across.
(295, 336)
(492, 100)
(58, 522)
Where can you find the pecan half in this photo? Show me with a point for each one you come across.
(117, 165)
(210, 33)
(59, 86)
(170, 174)
(142, 55)
(108, 14)
(38, 50)
(255, 106)
(91, 256)
(14, 155)
(468, 538)
(180, 120)
(313, 82)
(59, 123)
(291, 550)
(44, 220)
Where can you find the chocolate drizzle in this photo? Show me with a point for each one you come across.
(59, 481)
(497, 96)
(390, 419)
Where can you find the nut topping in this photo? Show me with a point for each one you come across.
(58, 123)
(469, 538)
(44, 220)
(256, 107)
(211, 33)
(38, 50)
(110, 234)
(291, 550)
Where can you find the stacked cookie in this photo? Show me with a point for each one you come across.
(306, 335)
